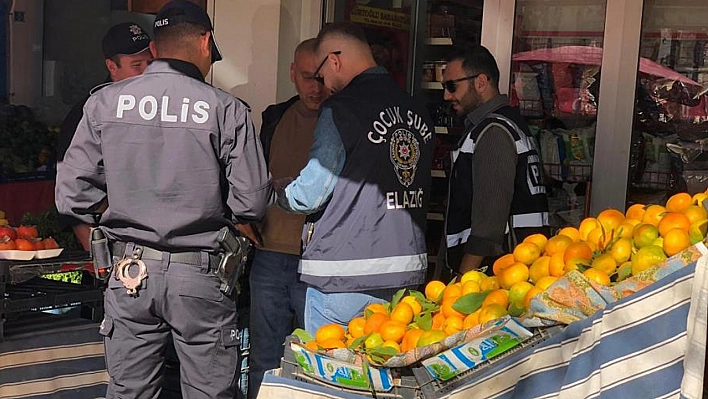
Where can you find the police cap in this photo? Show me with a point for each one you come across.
(127, 38)
(182, 11)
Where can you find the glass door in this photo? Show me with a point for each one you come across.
(556, 63)
(671, 109)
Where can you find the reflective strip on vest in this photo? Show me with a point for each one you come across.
(458, 238)
(538, 219)
(364, 267)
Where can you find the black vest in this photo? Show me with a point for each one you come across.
(371, 234)
(529, 206)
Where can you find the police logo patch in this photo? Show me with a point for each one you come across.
(135, 29)
(404, 154)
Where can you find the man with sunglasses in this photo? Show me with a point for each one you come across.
(365, 187)
(497, 193)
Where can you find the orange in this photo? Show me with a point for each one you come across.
(373, 341)
(452, 290)
(625, 230)
(410, 340)
(570, 232)
(518, 292)
(473, 275)
(350, 341)
(557, 244)
(504, 261)
(598, 237)
(539, 239)
(532, 293)
(605, 263)
(392, 330)
(333, 343)
(356, 327)
(374, 322)
(490, 284)
(577, 250)
(653, 214)
(540, 268)
(471, 320)
(453, 325)
(434, 289)
(675, 241)
(329, 331)
(575, 264)
(679, 202)
(635, 211)
(376, 308)
(644, 235)
(392, 344)
(430, 337)
(621, 250)
(312, 345)
(647, 257)
(470, 287)
(499, 297)
(546, 282)
(413, 303)
(403, 313)
(556, 265)
(673, 220)
(695, 213)
(597, 276)
(586, 226)
(447, 308)
(610, 219)
(491, 312)
(438, 321)
(513, 274)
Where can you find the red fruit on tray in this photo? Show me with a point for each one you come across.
(50, 243)
(7, 231)
(27, 232)
(24, 245)
(6, 244)
(38, 243)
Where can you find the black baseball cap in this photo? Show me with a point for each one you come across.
(127, 38)
(182, 11)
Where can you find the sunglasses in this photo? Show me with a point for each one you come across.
(451, 85)
(316, 75)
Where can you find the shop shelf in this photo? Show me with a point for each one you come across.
(40, 294)
(438, 173)
(432, 85)
(439, 41)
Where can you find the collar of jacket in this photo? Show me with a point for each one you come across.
(485, 109)
(183, 67)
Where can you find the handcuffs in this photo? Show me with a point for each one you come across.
(122, 272)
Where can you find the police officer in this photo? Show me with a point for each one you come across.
(497, 193)
(176, 160)
(365, 185)
(126, 49)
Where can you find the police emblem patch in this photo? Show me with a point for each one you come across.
(135, 29)
(404, 154)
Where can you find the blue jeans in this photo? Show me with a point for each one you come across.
(277, 307)
(339, 307)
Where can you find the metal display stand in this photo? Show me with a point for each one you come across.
(23, 290)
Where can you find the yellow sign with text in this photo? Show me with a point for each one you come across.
(379, 17)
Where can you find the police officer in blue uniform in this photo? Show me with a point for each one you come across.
(167, 161)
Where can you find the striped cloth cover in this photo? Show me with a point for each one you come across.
(643, 346)
(47, 361)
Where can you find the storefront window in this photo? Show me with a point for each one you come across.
(671, 111)
(556, 65)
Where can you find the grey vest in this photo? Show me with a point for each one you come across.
(371, 235)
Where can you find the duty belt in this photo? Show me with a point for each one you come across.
(188, 258)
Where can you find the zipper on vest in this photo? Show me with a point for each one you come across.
(310, 232)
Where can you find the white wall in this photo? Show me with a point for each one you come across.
(257, 39)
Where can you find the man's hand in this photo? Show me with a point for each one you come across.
(470, 262)
(83, 235)
(251, 232)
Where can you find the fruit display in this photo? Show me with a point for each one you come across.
(606, 249)
(24, 239)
